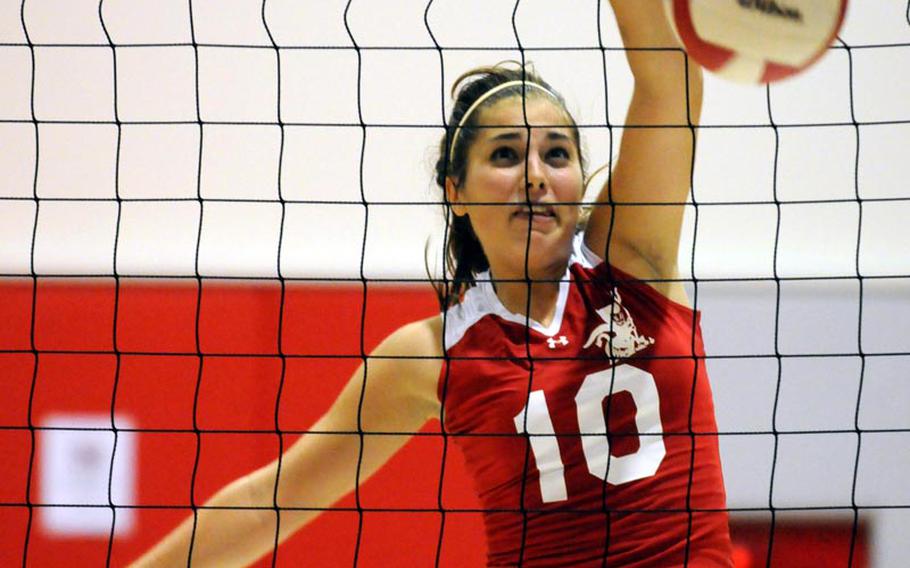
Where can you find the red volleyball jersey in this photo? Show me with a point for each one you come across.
(592, 438)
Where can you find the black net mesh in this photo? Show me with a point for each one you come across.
(871, 295)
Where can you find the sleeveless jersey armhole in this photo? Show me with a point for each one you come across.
(617, 274)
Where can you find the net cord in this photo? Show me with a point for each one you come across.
(30, 504)
(364, 284)
(199, 286)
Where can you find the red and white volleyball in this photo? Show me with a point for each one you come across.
(756, 41)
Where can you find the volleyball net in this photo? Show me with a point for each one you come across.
(212, 211)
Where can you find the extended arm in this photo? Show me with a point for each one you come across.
(320, 468)
(656, 154)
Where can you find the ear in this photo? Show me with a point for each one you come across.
(454, 198)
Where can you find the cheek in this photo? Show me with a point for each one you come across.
(492, 185)
(568, 185)
(504, 181)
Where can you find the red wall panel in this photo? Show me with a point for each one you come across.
(154, 381)
(161, 384)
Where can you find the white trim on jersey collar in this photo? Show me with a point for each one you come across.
(500, 310)
(482, 300)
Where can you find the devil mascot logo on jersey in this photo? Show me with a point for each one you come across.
(617, 336)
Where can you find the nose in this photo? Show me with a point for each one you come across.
(535, 181)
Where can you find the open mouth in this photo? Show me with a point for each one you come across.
(541, 212)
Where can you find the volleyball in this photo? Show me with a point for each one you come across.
(756, 41)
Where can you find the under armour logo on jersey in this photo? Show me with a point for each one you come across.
(552, 343)
(618, 335)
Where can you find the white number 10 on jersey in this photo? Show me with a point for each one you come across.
(535, 420)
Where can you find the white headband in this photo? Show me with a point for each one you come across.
(484, 97)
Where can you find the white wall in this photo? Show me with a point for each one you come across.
(827, 158)
(826, 391)
(404, 88)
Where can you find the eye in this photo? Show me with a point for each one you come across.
(558, 153)
(504, 154)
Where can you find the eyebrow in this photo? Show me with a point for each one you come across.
(516, 135)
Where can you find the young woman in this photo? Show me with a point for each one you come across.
(543, 346)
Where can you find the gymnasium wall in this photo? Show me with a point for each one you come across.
(162, 161)
(147, 380)
(291, 198)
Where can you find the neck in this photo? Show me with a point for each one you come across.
(535, 298)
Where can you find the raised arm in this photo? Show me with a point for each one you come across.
(655, 156)
(399, 395)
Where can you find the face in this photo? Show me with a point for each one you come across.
(522, 195)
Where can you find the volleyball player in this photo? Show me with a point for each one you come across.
(537, 333)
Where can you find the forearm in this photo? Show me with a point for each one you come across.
(234, 528)
(661, 69)
(238, 525)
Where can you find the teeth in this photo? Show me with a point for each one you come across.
(547, 212)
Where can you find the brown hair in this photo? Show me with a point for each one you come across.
(464, 256)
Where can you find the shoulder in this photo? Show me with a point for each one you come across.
(421, 338)
(410, 359)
